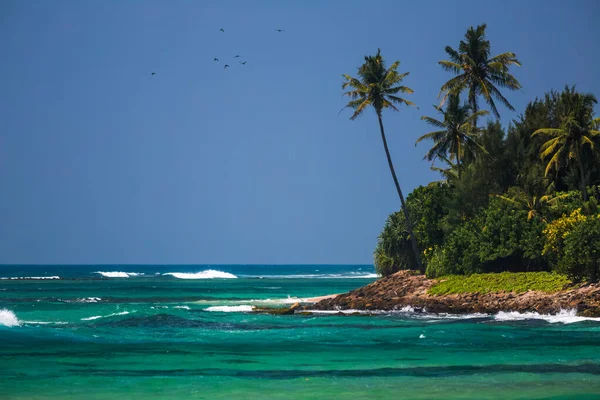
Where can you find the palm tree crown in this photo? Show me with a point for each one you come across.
(577, 129)
(376, 86)
(457, 132)
(477, 72)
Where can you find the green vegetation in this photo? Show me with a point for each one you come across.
(520, 197)
(507, 282)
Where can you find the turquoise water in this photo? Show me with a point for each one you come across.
(156, 336)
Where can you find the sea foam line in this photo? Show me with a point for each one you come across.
(207, 274)
(315, 276)
(242, 308)
(563, 317)
(29, 277)
(104, 316)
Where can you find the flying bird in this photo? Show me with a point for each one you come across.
(226, 66)
(279, 30)
(215, 59)
(237, 56)
(243, 63)
(154, 73)
(222, 30)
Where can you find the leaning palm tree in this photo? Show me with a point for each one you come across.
(379, 87)
(577, 129)
(457, 132)
(478, 73)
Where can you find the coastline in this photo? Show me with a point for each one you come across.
(404, 289)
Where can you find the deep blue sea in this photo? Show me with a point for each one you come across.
(190, 332)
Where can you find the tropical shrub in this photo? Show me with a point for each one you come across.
(556, 232)
(500, 238)
(428, 208)
(580, 258)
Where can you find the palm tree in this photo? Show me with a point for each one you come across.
(457, 132)
(448, 174)
(478, 73)
(577, 128)
(536, 194)
(379, 87)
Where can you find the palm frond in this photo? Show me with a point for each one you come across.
(434, 122)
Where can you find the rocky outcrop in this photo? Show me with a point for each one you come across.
(407, 289)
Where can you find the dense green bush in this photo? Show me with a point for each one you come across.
(580, 259)
(500, 238)
(427, 207)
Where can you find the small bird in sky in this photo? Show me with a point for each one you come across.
(222, 30)
(215, 59)
(237, 56)
(154, 73)
(243, 63)
(279, 30)
(226, 66)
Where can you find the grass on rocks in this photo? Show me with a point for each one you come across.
(517, 282)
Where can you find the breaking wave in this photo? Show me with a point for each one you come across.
(117, 274)
(207, 274)
(563, 317)
(8, 318)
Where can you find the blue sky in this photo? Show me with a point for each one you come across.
(100, 162)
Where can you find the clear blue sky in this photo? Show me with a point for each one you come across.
(102, 163)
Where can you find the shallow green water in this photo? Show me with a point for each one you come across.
(149, 337)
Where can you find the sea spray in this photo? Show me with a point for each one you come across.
(8, 318)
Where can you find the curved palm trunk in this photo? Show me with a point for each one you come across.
(406, 215)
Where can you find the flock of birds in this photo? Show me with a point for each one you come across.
(236, 56)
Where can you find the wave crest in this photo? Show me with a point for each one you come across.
(117, 274)
(207, 274)
(242, 308)
(8, 318)
(104, 316)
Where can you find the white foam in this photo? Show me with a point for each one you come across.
(113, 274)
(89, 300)
(207, 274)
(563, 317)
(104, 316)
(8, 318)
(317, 276)
(242, 308)
(182, 307)
(31, 277)
(44, 322)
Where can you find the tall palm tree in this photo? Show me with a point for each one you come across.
(457, 132)
(479, 73)
(577, 129)
(379, 87)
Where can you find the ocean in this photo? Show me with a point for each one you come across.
(189, 332)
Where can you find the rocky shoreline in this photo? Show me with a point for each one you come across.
(406, 289)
